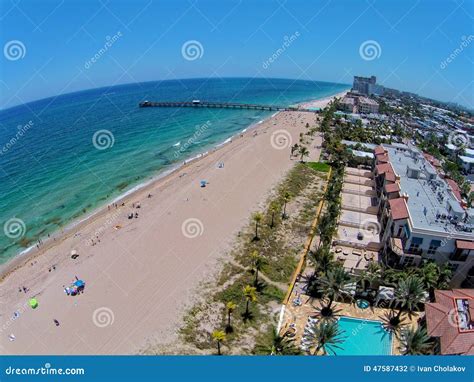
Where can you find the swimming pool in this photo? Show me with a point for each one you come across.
(363, 337)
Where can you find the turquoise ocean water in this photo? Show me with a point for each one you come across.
(52, 173)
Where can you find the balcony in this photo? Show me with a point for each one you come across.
(396, 246)
(459, 255)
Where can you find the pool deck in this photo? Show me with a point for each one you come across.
(298, 315)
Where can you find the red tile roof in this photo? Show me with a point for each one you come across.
(392, 187)
(382, 158)
(462, 244)
(442, 319)
(456, 190)
(398, 209)
(379, 150)
(430, 158)
(384, 167)
(390, 176)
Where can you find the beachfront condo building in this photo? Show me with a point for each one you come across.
(367, 106)
(420, 215)
(367, 86)
(356, 103)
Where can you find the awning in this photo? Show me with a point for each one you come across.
(463, 244)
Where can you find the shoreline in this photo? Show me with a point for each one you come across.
(30, 253)
(321, 103)
(146, 272)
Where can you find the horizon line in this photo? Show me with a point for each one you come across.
(160, 80)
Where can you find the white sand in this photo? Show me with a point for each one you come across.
(141, 277)
(323, 102)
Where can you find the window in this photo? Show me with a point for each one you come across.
(434, 245)
(415, 244)
(407, 231)
(408, 261)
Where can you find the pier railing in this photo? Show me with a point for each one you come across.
(222, 105)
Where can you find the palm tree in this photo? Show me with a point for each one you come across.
(445, 274)
(323, 260)
(257, 218)
(280, 345)
(429, 274)
(303, 151)
(370, 276)
(333, 285)
(218, 336)
(434, 276)
(258, 263)
(323, 228)
(250, 296)
(286, 199)
(325, 337)
(230, 308)
(293, 149)
(415, 342)
(409, 293)
(392, 276)
(273, 210)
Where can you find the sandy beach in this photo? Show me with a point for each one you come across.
(321, 103)
(141, 273)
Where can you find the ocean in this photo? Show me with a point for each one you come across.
(63, 157)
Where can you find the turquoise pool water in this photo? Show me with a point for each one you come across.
(363, 338)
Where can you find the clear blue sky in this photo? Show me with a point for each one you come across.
(238, 37)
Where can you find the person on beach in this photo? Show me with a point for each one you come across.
(56, 322)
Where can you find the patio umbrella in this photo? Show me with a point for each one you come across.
(33, 303)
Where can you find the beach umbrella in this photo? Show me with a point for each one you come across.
(79, 283)
(33, 303)
(73, 252)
